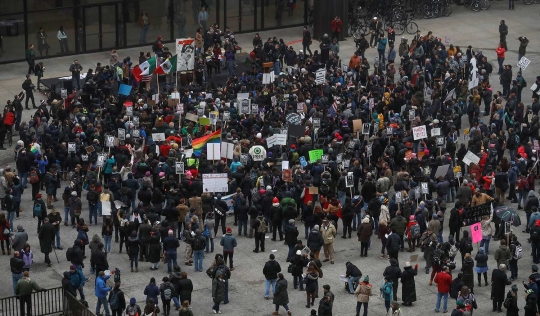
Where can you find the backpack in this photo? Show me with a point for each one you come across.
(206, 231)
(131, 310)
(396, 243)
(437, 257)
(200, 243)
(70, 253)
(518, 252)
(508, 301)
(114, 302)
(535, 234)
(453, 251)
(37, 210)
(167, 293)
(468, 245)
(34, 177)
(262, 226)
(415, 231)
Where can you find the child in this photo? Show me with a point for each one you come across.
(27, 256)
(387, 292)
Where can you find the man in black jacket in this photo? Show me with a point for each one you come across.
(393, 273)
(98, 260)
(291, 235)
(270, 271)
(354, 275)
(28, 88)
(16, 264)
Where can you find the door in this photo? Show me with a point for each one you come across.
(99, 29)
(240, 14)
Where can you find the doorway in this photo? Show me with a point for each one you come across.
(99, 28)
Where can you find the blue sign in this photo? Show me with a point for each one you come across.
(124, 89)
(303, 161)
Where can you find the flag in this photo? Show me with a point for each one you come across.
(144, 69)
(167, 66)
(333, 109)
(199, 144)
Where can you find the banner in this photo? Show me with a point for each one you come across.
(185, 50)
(474, 214)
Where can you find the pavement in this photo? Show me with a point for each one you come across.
(464, 27)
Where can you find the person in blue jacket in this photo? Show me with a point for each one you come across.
(102, 291)
(77, 280)
(41, 162)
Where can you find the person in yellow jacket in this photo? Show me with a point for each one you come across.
(329, 233)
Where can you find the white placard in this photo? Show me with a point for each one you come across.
(425, 188)
(100, 160)
(135, 133)
(226, 115)
(185, 50)
(179, 167)
(365, 128)
(227, 150)
(213, 151)
(398, 197)
(441, 171)
(175, 95)
(215, 182)
(121, 134)
(319, 76)
(369, 150)
(276, 139)
(158, 137)
(109, 141)
(129, 110)
(284, 165)
(72, 147)
(213, 118)
(523, 63)
(435, 131)
(419, 132)
(470, 157)
(105, 208)
(349, 180)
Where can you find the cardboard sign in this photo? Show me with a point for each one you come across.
(204, 121)
(317, 122)
(192, 117)
(158, 137)
(276, 139)
(441, 171)
(349, 180)
(435, 131)
(357, 126)
(419, 132)
(398, 197)
(470, 157)
(286, 175)
(72, 147)
(90, 149)
(215, 182)
(313, 190)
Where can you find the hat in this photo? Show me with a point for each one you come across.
(298, 252)
(460, 303)
(268, 187)
(262, 191)
(374, 18)
(291, 221)
(229, 230)
(514, 288)
(161, 174)
(411, 218)
(132, 301)
(275, 200)
(534, 267)
(147, 173)
(38, 196)
(434, 216)
(259, 135)
(74, 193)
(366, 278)
(293, 146)
(435, 121)
(72, 267)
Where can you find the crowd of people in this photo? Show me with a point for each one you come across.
(372, 134)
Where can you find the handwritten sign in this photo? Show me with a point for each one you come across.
(365, 128)
(425, 188)
(179, 167)
(419, 132)
(474, 214)
(72, 148)
(470, 157)
(315, 155)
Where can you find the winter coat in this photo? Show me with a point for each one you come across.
(364, 232)
(468, 273)
(154, 249)
(444, 281)
(408, 287)
(392, 272)
(185, 287)
(486, 227)
(46, 237)
(298, 263)
(325, 308)
(502, 255)
(513, 309)
(399, 223)
(218, 290)
(291, 234)
(315, 240)
(363, 292)
(281, 297)
(499, 280)
(229, 243)
(19, 240)
(271, 269)
(101, 286)
(328, 234)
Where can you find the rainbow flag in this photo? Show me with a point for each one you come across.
(34, 150)
(199, 144)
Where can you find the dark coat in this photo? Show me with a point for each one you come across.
(513, 309)
(499, 280)
(315, 240)
(325, 308)
(154, 249)
(311, 282)
(291, 234)
(530, 305)
(299, 263)
(281, 297)
(185, 287)
(468, 273)
(218, 290)
(271, 269)
(46, 237)
(393, 272)
(364, 232)
(408, 288)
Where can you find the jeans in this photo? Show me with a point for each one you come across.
(100, 301)
(485, 243)
(92, 208)
(286, 306)
(16, 277)
(134, 259)
(267, 284)
(298, 279)
(244, 224)
(171, 259)
(522, 196)
(277, 67)
(230, 67)
(75, 81)
(535, 245)
(24, 178)
(107, 240)
(359, 306)
(356, 219)
(226, 296)
(500, 61)
(198, 256)
(351, 281)
(450, 194)
(445, 304)
(66, 214)
(381, 56)
(176, 302)
(291, 252)
(57, 234)
(81, 293)
(11, 215)
(142, 37)
(341, 196)
(210, 242)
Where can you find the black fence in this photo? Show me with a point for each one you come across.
(52, 301)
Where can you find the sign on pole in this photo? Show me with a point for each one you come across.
(523, 63)
(72, 148)
(215, 182)
(121, 134)
(319, 76)
(179, 167)
(419, 132)
(349, 180)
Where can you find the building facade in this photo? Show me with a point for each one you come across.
(66, 27)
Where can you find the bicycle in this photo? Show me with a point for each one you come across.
(529, 2)
(478, 5)
(406, 25)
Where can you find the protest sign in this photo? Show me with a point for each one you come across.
(179, 167)
(315, 155)
(72, 148)
(258, 153)
(215, 182)
(419, 132)
(349, 180)
(470, 157)
(474, 214)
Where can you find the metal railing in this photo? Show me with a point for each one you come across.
(52, 301)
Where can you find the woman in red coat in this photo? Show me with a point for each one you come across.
(4, 237)
(412, 241)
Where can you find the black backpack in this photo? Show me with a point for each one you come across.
(468, 246)
(199, 243)
(535, 234)
(70, 253)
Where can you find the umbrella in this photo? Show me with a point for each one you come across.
(508, 214)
